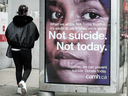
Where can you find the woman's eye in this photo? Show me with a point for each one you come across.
(55, 16)
(90, 15)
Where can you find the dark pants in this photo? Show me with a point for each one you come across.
(22, 59)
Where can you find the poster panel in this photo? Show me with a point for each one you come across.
(125, 5)
(125, 14)
(3, 26)
(77, 42)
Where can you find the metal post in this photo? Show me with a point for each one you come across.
(45, 93)
(127, 68)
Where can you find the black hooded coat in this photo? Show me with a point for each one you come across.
(22, 32)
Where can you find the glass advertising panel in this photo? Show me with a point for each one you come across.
(77, 42)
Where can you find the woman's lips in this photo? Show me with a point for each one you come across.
(67, 61)
(62, 55)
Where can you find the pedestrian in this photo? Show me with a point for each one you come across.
(21, 35)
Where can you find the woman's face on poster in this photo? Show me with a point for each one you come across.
(75, 36)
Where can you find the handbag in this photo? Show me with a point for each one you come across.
(9, 52)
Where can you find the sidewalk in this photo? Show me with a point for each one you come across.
(8, 85)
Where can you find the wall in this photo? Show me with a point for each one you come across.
(4, 61)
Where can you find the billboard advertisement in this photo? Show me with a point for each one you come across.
(125, 8)
(77, 42)
(125, 5)
(3, 25)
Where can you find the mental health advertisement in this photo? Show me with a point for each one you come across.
(77, 42)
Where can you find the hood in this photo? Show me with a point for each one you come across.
(22, 20)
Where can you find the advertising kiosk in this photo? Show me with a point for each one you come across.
(79, 46)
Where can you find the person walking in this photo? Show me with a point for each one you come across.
(21, 35)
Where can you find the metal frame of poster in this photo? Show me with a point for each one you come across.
(79, 46)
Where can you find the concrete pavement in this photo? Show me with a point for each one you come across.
(8, 85)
